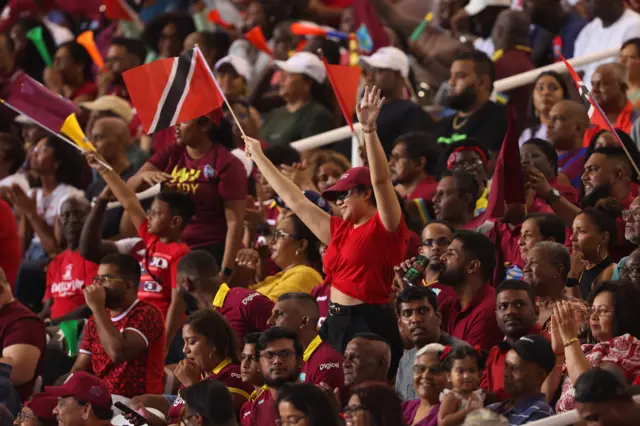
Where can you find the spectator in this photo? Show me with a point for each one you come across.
(554, 27)
(517, 316)
(69, 273)
(417, 309)
(366, 358)
(82, 400)
(389, 69)
(373, 403)
(131, 360)
(247, 311)
(470, 86)
(629, 56)
(469, 156)
(38, 411)
(548, 266)
(305, 93)
(429, 380)
(71, 74)
(250, 365)
(325, 168)
(510, 36)
(413, 165)
(214, 45)
(455, 200)
(612, 25)
(470, 316)
(601, 399)
(614, 328)
(306, 404)
(527, 365)
(548, 89)
(294, 249)
(13, 157)
(593, 238)
(605, 139)
(280, 354)
(631, 231)
(198, 409)
(298, 313)
(234, 74)
(609, 90)
(539, 155)
(630, 269)
(201, 167)
(360, 295)
(608, 172)
(22, 340)
(28, 57)
(210, 350)
(165, 34)
(122, 55)
(568, 122)
(8, 71)
(539, 227)
(10, 247)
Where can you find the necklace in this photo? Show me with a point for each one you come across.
(456, 124)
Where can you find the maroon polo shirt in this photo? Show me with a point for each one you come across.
(246, 310)
(477, 323)
(322, 364)
(322, 294)
(262, 411)
(493, 375)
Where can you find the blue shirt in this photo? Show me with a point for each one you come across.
(528, 410)
(565, 40)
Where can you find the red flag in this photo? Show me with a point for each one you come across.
(214, 16)
(39, 103)
(345, 87)
(256, 38)
(593, 109)
(170, 91)
(119, 10)
(507, 186)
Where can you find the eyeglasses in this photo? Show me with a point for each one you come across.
(351, 410)
(442, 241)
(601, 311)
(271, 355)
(279, 234)
(344, 195)
(101, 279)
(291, 420)
(22, 416)
(184, 421)
(432, 369)
(631, 214)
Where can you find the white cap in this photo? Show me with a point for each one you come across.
(476, 6)
(304, 63)
(240, 64)
(389, 58)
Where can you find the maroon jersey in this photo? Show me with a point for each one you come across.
(246, 310)
(322, 364)
(262, 411)
(322, 293)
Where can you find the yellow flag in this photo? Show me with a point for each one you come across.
(71, 128)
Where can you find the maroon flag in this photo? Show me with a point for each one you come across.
(507, 186)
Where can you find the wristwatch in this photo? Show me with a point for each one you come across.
(553, 195)
(572, 282)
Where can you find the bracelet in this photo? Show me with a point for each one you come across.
(572, 282)
(571, 342)
(370, 129)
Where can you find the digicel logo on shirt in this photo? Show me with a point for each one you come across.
(183, 180)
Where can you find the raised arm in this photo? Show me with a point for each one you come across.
(313, 216)
(388, 205)
(92, 247)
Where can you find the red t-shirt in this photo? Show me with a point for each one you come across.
(246, 310)
(425, 189)
(225, 372)
(20, 326)
(211, 180)
(493, 375)
(159, 268)
(10, 249)
(322, 294)
(262, 411)
(67, 275)
(87, 88)
(141, 375)
(477, 324)
(360, 260)
(322, 364)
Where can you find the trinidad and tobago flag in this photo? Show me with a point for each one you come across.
(170, 91)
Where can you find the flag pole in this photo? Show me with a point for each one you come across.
(233, 114)
(612, 130)
(50, 130)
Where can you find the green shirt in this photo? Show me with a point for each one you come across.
(282, 127)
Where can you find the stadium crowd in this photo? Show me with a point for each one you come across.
(208, 273)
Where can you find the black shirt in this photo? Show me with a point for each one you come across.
(398, 118)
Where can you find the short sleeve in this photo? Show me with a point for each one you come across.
(89, 338)
(257, 312)
(484, 330)
(148, 323)
(174, 268)
(26, 331)
(233, 181)
(160, 160)
(303, 280)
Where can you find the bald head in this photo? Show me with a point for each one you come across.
(300, 305)
(609, 87)
(111, 137)
(367, 357)
(568, 122)
(511, 29)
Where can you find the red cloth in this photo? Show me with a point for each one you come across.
(506, 238)
(210, 181)
(512, 62)
(477, 324)
(261, 411)
(567, 191)
(493, 375)
(623, 122)
(357, 265)
(425, 189)
(159, 269)
(342, 4)
(20, 326)
(413, 245)
(67, 275)
(87, 88)
(364, 13)
(10, 248)
(322, 294)
(246, 310)
(141, 375)
(323, 366)
(162, 139)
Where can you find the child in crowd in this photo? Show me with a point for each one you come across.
(463, 364)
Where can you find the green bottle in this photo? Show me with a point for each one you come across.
(70, 331)
(416, 272)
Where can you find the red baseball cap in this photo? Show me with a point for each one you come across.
(42, 404)
(84, 387)
(350, 179)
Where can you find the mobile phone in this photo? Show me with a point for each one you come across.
(127, 410)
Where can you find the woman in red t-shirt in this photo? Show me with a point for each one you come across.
(71, 75)
(363, 246)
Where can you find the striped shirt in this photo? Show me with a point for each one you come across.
(525, 411)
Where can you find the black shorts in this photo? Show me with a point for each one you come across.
(344, 322)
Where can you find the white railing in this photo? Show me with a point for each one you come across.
(503, 85)
(565, 419)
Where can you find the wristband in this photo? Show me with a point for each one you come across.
(227, 271)
(572, 282)
(370, 129)
(571, 342)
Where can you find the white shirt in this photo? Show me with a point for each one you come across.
(594, 38)
(17, 178)
(485, 45)
(49, 207)
(540, 133)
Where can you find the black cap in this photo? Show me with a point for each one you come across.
(535, 348)
(598, 385)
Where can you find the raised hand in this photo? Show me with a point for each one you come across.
(93, 158)
(252, 147)
(23, 204)
(152, 177)
(369, 107)
(566, 320)
(248, 258)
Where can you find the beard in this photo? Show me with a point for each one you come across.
(276, 383)
(113, 298)
(189, 300)
(597, 193)
(451, 277)
(462, 100)
(437, 266)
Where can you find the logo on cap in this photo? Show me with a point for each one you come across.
(95, 391)
(344, 176)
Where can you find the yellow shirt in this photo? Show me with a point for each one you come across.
(482, 202)
(300, 278)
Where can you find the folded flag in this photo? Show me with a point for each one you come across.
(344, 81)
(170, 91)
(122, 10)
(257, 39)
(593, 109)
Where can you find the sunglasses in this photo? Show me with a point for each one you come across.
(442, 241)
(344, 195)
